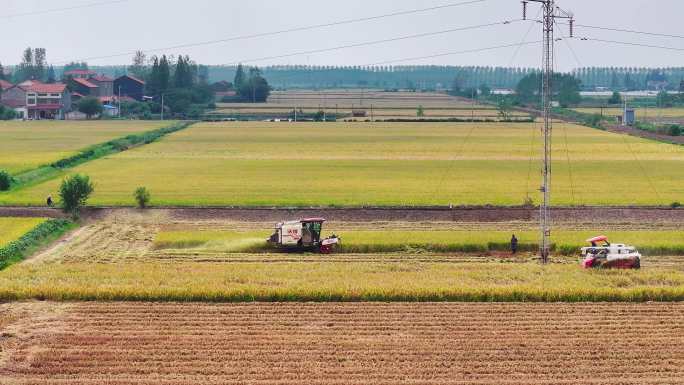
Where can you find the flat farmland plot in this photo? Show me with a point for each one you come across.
(354, 164)
(115, 259)
(379, 104)
(566, 242)
(353, 343)
(13, 228)
(28, 145)
(641, 113)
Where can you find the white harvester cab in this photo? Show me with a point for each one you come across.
(610, 255)
(304, 235)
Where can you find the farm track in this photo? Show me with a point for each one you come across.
(641, 217)
(352, 343)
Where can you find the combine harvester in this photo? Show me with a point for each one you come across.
(610, 256)
(303, 236)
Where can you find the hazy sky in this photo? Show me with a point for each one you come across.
(123, 27)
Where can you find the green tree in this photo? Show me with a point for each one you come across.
(74, 192)
(25, 69)
(184, 75)
(565, 89)
(255, 89)
(90, 106)
(142, 197)
(160, 75)
(420, 112)
(5, 180)
(616, 98)
(485, 91)
(51, 76)
(139, 67)
(2, 73)
(39, 64)
(239, 77)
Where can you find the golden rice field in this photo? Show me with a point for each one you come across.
(28, 145)
(116, 259)
(354, 164)
(345, 281)
(569, 242)
(13, 228)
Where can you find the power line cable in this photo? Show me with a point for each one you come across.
(628, 31)
(55, 10)
(375, 42)
(522, 41)
(283, 31)
(476, 50)
(631, 44)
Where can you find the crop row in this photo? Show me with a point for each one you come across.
(566, 242)
(335, 281)
(123, 343)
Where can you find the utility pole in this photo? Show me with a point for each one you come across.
(551, 12)
(119, 101)
(162, 107)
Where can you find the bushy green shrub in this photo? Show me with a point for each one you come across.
(5, 180)
(142, 197)
(674, 130)
(74, 192)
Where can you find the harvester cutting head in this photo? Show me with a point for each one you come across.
(303, 235)
(603, 254)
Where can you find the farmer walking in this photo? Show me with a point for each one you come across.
(514, 244)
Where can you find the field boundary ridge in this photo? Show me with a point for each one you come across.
(97, 151)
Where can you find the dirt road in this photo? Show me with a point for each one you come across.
(444, 214)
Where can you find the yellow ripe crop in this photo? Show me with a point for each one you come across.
(27, 145)
(335, 281)
(13, 228)
(567, 242)
(384, 164)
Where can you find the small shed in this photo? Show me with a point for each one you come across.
(629, 117)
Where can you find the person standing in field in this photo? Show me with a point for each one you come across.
(49, 201)
(514, 245)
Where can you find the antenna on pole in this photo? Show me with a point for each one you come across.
(551, 13)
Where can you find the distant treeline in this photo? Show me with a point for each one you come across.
(435, 77)
(630, 78)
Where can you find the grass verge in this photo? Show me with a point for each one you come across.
(41, 235)
(97, 151)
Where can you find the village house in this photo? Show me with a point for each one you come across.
(36, 100)
(129, 86)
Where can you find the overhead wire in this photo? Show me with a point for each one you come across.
(282, 31)
(375, 42)
(565, 127)
(64, 9)
(625, 30)
(631, 44)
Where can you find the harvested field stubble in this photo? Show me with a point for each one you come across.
(360, 343)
